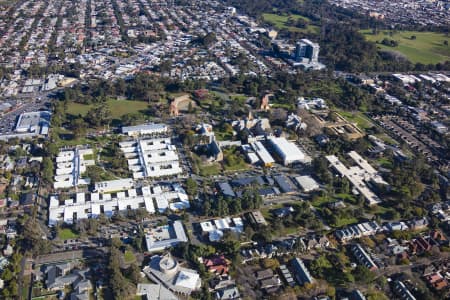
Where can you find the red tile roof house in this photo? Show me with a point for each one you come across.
(440, 284)
(217, 265)
(437, 281)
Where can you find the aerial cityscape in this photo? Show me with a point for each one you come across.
(234, 149)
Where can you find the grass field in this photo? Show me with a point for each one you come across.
(129, 257)
(384, 162)
(67, 234)
(210, 170)
(233, 160)
(428, 47)
(357, 117)
(386, 138)
(118, 108)
(206, 169)
(280, 22)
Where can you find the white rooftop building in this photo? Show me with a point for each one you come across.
(113, 185)
(359, 175)
(155, 292)
(264, 155)
(33, 123)
(155, 157)
(165, 236)
(91, 205)
(287, 151)
(70, 165)
(215, 228)
(145, 129)
(307, 183)
(167, 271)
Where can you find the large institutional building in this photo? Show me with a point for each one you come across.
(91, 205)
(155, 157)
(287, 151)
(362, 176)
(70, 165)
(306, 50)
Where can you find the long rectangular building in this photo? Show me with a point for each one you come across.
(363, 258)
(264, 155)
(33, 122)
(301, 272)
(145, 129)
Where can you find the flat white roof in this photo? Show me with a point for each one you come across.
(150, 128)
(114, 185)
(362, 163)
(357, 177)
(307, 183)
(262, 152)
(105, 203)
(188, 279)
(288, 151)
(151, 157)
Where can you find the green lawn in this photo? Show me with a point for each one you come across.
(283, 105)
(341, 222)
(129, 257)
(67, 234)
(428, 47)
(206, 169)
(386, 138)
(233, 160)
(88, 157)
(318, 202)
(280, 22)
(209, 170)
(384, 162)
(223, 136)
(357, 117)
(118, 108)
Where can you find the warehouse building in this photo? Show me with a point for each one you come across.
(30, 124)
(284, 183)
(33, 122)
(286, 151)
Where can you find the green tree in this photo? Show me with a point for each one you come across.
(191, 187)
(363, 274)
(79, 127)
(47, 169)
(134, 273)
(99, 115)
(320, 266)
